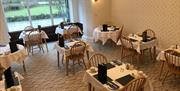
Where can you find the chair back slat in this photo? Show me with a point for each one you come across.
(78, 48)
(135, 85)
(28, 28)
(126, 42)
(97, 59)
(150, 33)
(173, 62)
(35, 37)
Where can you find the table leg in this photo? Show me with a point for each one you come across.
(58, 58)
(161, 70)
(154, 54)
(46, 45)
(89, 86)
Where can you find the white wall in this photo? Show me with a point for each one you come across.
(90, 13)
(163, 16)
(102, 12)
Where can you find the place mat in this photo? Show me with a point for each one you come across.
(109, 65)
(108, 78)
(117, 62)
(125, 80)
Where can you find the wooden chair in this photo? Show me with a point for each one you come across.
(172, 60)
(97, 59)
(67, 36)
(76, 54)
(35, 40)
(120, 33)
(135, 85)
(28, 28)
(151, 34)
(127, 49)
(75, 33)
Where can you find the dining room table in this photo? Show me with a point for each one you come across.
(6, 60)
(139, 45)
(117, 74)
(111, 33)
(175, 50)
(24, 35)
(68, 30)
(62, 52)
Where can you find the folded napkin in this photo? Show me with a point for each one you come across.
(125, 80)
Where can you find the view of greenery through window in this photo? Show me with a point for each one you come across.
(22, 13)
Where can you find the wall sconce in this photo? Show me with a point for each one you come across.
(95, 0)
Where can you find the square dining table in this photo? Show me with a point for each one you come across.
(114, 73)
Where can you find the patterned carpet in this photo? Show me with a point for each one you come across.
(44, 75)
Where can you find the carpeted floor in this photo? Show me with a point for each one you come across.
(44, 75)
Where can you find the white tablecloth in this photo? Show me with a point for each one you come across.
(104, 36)
(161, 56)
(13, 88)
(7, 58)
(68, 30)
(24, 35)
(139, 45)
(114, 73)
(62, 51)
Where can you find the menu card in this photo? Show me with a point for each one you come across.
(102, 73)
(61, 41)
(13, 47)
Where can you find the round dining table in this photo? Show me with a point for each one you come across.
(103, 36)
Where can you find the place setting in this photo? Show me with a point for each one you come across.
(113, 76)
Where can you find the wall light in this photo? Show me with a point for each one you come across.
(94, 1)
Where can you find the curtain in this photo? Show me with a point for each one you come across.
(4, 36)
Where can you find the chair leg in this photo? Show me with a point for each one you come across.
(165, 76)
(32, 49)
(41, 47)
(79, 61)
(89, 86)
(58, 58)
(46, 45)
(161, 70)
(150, 54)
(93, 89)
(122, 52)
(62, 59)
(73, 68)
(67, 63)
(24, 67)
(84, 63)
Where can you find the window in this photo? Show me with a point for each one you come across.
(59, 11)
(22, 13)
